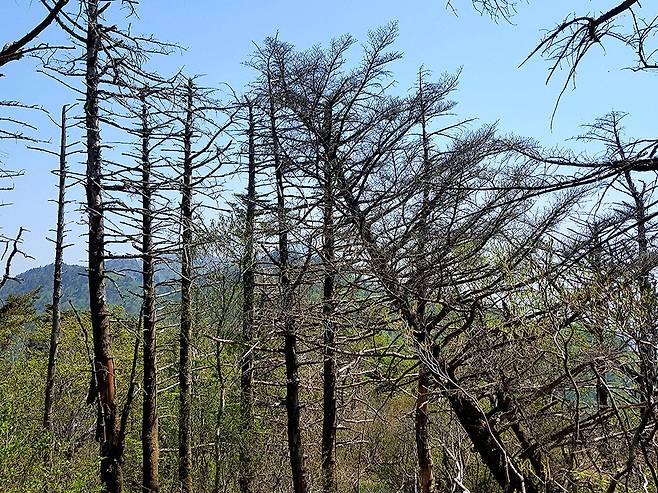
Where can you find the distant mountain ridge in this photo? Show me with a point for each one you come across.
(123, 285)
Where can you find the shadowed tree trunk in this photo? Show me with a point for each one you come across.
(185, 363)
(150, 446)
(248, 285)
(103, 389)
(57, 279)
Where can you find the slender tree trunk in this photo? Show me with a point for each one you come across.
(421, 423)
(328, 309)
(185, 363)
(293, 410)
(57, 280)
(104, 386)
(248, 285)
(150, 446)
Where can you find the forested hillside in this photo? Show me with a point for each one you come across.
(122, 291)
(324, 280)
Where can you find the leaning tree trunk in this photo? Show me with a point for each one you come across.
(248, 286)
(57, 280)
(150, 446)
(328, 309)
(486, 440)
(185, 360)
(293, 409)
(103, 388)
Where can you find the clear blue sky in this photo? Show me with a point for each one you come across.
(219, 36)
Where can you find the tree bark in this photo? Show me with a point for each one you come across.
(185, 363)
(150, 445)
(248, 286)
(104, 385)
(57, 279)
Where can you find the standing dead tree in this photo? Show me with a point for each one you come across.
(103, 388)
(287, 252)
(202, 158)
(141, 205)
(293, 406)
(150, 445)
(185, 340)
(57, 277)
(248, 308)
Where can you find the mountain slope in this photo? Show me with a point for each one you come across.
(123, 285)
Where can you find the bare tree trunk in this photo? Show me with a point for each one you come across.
(57, 279)
(104, 386)
(328, 309)
(248, 285)
(295, 447)
(150, 446)
(185, 363)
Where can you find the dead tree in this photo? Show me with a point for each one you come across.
(248, 288)
(150, 445)
(199, 165)
(293, 407)
(57, 278)
(329, 150)
(287, 278)
(104, 373)
(185, 338)
(421, 422)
